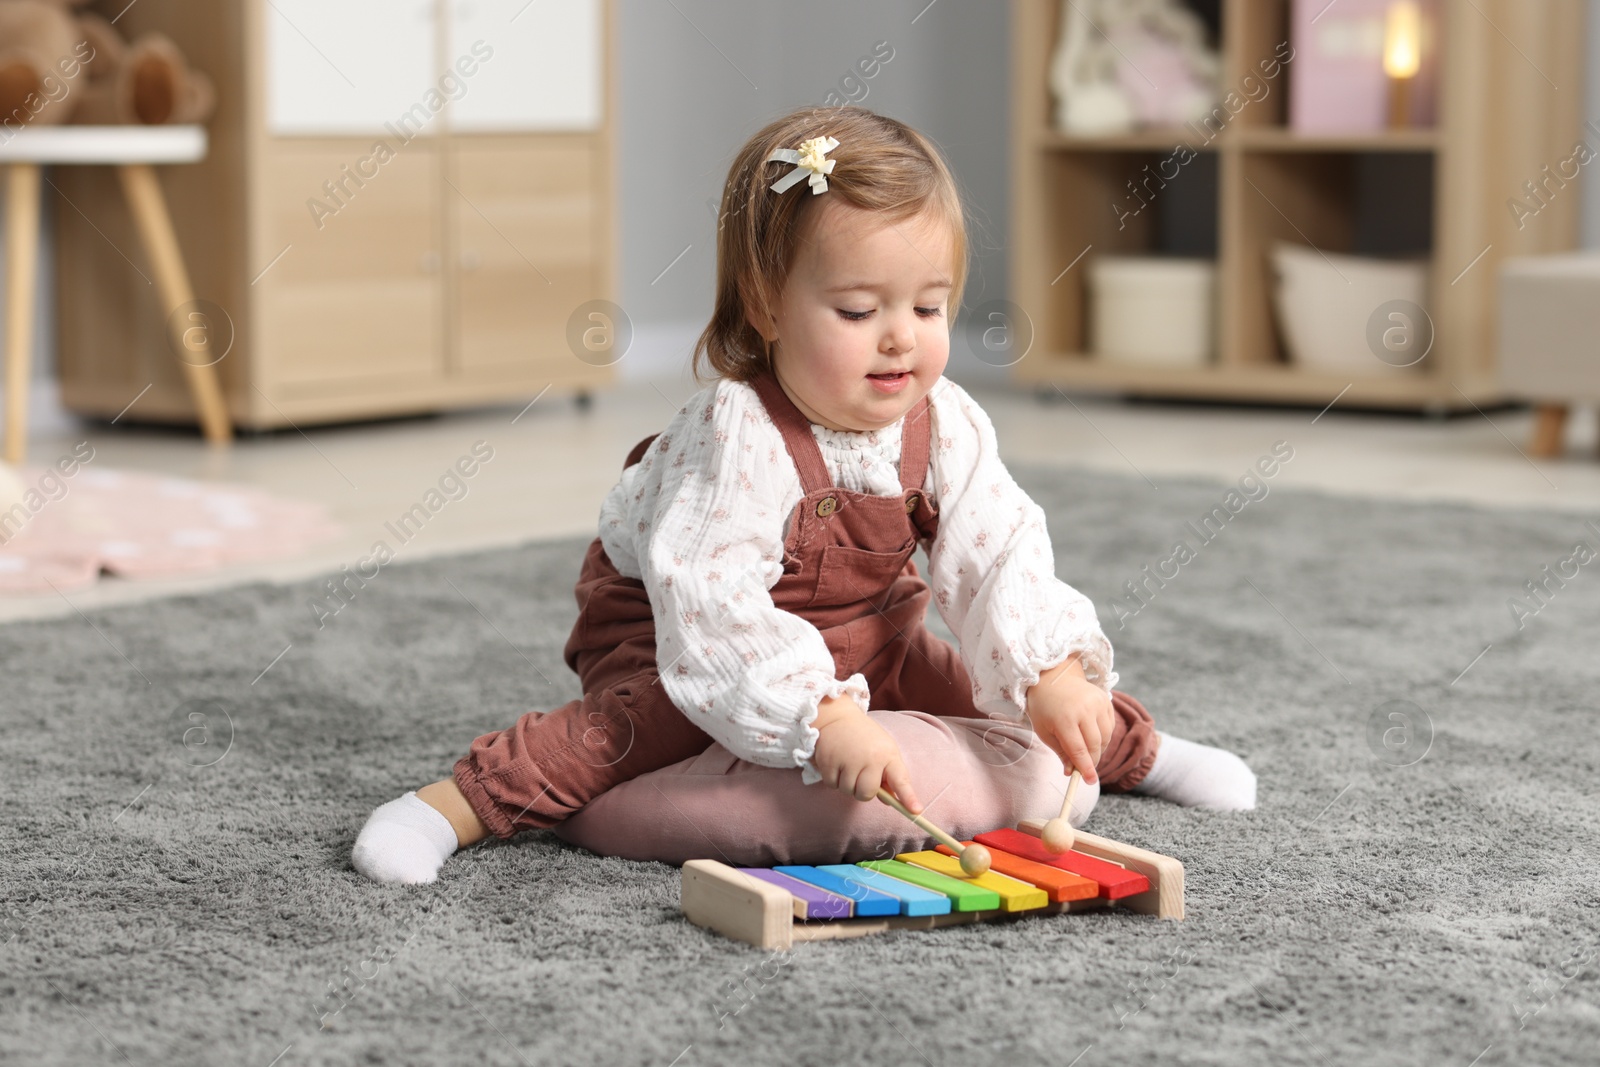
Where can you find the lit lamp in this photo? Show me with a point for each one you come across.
(1402, 57)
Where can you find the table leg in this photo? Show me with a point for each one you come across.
(149, 207)
(22, 279)
(1549, 427)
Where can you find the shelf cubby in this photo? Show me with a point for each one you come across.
(1091, 209)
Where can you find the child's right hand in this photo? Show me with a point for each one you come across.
(857, 756)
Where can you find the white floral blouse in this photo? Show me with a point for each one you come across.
(702, 518)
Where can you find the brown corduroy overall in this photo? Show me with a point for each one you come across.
(847, 570)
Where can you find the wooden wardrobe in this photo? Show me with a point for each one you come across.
(407, 207)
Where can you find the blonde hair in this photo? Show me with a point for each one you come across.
(882, 166)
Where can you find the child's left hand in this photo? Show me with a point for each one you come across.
(1072, 715)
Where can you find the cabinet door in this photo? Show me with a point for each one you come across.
(542, 68)
(356, 295)
(527, 240)
(350, 66)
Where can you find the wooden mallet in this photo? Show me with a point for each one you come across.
(974, 858)
(1058, 834)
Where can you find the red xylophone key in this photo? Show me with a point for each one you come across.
(1115, 881)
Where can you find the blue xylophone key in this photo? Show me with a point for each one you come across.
(914, 900)
(868, 901)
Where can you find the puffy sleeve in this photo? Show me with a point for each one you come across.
(992, 570)
(746, 672)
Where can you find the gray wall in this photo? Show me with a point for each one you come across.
(698, 77)
(1591, 187)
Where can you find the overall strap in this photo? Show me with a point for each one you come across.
(916, 440)
(797, 436)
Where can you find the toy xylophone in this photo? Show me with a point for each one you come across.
(773, 908)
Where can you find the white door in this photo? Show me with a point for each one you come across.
(352, 67)
(536, 64)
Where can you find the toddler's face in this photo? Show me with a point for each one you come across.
(862, 326)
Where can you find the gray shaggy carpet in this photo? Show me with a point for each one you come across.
(183, 781)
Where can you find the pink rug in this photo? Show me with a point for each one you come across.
(69, 531)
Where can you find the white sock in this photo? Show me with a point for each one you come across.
(406, 840)
(1199, 776)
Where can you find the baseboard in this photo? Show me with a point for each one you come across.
(46, 416)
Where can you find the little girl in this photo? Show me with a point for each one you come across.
(752, 594)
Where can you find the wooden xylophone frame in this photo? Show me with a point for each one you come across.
(735, 905)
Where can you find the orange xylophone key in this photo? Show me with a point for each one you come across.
(1058, 884)
(1115, 882)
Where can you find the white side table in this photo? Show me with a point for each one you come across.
(133, 150)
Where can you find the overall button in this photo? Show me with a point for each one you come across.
(911, 503)
(827, 506)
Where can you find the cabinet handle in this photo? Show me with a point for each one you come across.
(471, 259)
(429, 264)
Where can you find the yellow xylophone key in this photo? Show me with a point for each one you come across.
(1015, 895)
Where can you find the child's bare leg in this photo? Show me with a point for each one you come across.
(445, 797)
(407, 840)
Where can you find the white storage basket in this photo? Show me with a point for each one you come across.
(1152, 310)
(1326, 302)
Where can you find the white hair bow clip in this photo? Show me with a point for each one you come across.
(810, 159)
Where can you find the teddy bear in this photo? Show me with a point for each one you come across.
(44, 57)
(148, 82)
(58, 64)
